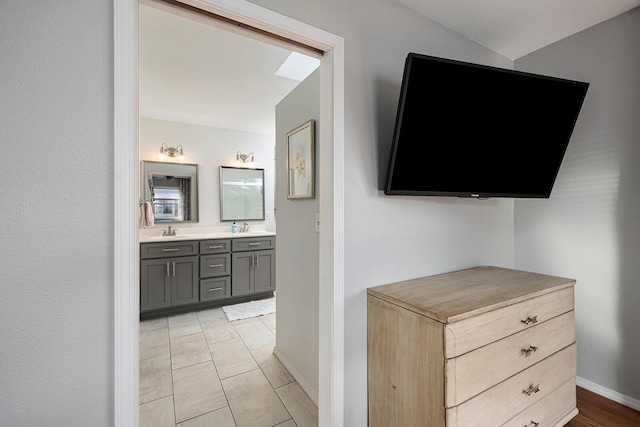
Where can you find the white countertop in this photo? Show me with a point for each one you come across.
(197, 235)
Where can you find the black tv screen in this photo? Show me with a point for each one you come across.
(471, 130)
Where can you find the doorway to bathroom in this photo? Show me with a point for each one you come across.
(330, 178)
(216, 91)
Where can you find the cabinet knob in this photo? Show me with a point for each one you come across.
(531, 319)
(532, 424)
(528, 351)
(531, 390)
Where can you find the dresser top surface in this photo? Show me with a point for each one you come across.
(455, 296)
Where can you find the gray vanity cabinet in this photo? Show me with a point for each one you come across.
(243, 275)
(203, 273)
(168, 274)
(265, 271)
(184, 286)
(215, 269)
(155, 284)
(253, 262)
(167, 282)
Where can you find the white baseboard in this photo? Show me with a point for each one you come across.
(608, 393)
(313, 394)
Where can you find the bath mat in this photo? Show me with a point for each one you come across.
(250, 309)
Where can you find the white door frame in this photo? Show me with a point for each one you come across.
(126, 198)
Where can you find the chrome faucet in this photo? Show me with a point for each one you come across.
(169, 232)
(245, 228)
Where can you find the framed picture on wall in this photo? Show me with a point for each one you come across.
(300, 161)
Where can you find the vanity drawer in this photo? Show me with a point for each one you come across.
(253, 243)
(474, 332)
(215, 246)
(215, 288)
(215, 265)
(507, 399)
(478, 370)
(553, 411)
(168, 249)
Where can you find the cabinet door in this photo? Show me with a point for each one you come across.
(155, 284)
(185, 287)
(242, 273)
(265, 271)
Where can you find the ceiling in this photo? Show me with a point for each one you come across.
(193, 71)
(515, 28)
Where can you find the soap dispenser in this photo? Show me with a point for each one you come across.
(234, 227)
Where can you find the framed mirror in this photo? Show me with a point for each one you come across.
(172, 188)
(241, 194)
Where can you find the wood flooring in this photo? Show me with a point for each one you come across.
(598, 411)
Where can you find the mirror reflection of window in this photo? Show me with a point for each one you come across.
(167, 204)
(173, 190)
(169, 194)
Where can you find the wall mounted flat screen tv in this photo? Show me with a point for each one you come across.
(471, 130)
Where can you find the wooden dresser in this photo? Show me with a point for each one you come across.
(483, 347)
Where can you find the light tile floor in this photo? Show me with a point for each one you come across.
(199, 370)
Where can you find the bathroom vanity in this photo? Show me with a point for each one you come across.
(182, 273)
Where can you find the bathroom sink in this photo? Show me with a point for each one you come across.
(176, 237)
(206, 235)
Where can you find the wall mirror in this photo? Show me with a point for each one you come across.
(173, 190)
(241, 194)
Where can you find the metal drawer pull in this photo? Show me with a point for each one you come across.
(170, 249)
(216, 247)
(531, 390)
(168, 271)
(255, 244)
(528, 351)
(215, 265)
(532, 424)
(174, 268)
(215, 289)
(530, 319)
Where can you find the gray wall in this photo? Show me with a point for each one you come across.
(56, 133)
(56, 359)
(57, 85)
(589, 228)
(394, 238)
(297, 245)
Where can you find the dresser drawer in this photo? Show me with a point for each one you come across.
(478, 370)
(215, 288)
(474, 332)
(253, 243)
(507, 399)
(215, 265)
(553, 411)
(215, 246)
(168, 249)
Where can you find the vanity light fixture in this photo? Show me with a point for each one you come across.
(166, 151)
(245, 159)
